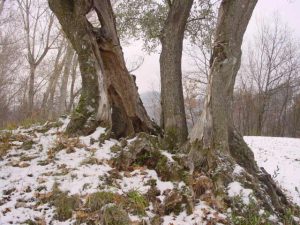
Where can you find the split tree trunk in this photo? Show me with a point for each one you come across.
(128, 113)
(109, 94)
(215, 144)
(173, 119)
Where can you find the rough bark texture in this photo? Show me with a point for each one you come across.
(109, 94)
(215, 144)
(173, 113)
(128, 113)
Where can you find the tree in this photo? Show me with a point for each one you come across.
(165, 22)
(192, 99)
(10, 63)
(64, 80)
(173, 112)
(48, 97)
(215, 146)
(1, 6)
(109, 94)
(38, 25)
(73, 93)
(273, 65)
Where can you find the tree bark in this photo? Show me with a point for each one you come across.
(173, 119)
(215, 145)
(31, 89)
(216, 119)
(109, 94)
(128, 113)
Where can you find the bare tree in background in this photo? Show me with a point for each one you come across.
(192, 100)
(48, 97)
(38, 24)
(272, 71)
(62, 104)
(73, 93)
(10, 63)
(1, 6)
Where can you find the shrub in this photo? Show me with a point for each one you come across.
(137, 202)
(97, 200)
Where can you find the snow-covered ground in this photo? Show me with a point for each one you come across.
(281, 159)
(26, 174)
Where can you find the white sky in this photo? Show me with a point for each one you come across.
(148, 74)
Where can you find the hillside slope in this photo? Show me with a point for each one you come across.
(281, 158)
(47, 178)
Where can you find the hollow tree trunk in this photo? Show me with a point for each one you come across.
(128, 113)
(215, 145)
(109, 94)
(173, 117)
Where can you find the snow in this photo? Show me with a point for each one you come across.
(281, 159)
(168, 155)
(238, 170)
(70, 170)
(236, 189)
(201, 211)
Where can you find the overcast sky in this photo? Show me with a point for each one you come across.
(148, 75)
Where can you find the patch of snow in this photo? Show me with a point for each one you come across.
(199, 217)
(168, 155)
(281, 159)
(65, 122)
(238, 170)
(236, 189)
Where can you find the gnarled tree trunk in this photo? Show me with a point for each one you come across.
(109, 94)
(173, 113)
(128, 112)
(215, 145)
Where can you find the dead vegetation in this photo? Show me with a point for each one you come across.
(64, 142)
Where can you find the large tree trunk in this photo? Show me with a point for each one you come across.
(128, 113)
(109, 94)
(173, 113)
(215, 145)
